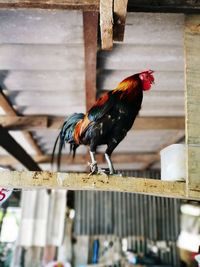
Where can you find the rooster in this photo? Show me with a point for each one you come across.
(107, 121)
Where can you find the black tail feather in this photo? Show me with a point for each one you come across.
(54, 149)
(66, 135)
(61, 144)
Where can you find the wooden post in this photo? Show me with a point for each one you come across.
(192, 96)
(106, 24)
(90, 24)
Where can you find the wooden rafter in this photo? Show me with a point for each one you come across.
(12, 147)
(120, 10)
(183, 6)
(7, 107)
(86, 5)
(90, 25)
(47, 122)
(106, 24)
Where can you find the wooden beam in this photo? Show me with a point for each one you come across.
(172, 6)
(106, 24)
(7, 107)
(192, 71)
(10, 145)
(86, 5)
(120, 10)
(81, 181)
(90, 26)
(82, 159)
(48, 122)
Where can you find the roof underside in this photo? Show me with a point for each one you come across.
(42, 72)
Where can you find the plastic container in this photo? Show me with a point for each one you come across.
(173, 163)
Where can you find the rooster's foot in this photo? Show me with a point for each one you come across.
(93, 168)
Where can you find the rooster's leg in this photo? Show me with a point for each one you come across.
(93, 164)
(110, 165)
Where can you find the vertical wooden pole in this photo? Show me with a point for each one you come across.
(90, 25)
(192, 96)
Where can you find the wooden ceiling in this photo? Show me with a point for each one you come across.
(52, 64)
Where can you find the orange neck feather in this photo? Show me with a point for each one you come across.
(127, 84)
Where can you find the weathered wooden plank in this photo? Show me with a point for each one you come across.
(120, 10)
(173, 6)
(106, 24)
(43, 122)
(81, 181)
(6, 106)
(41, 57)
(192, 48)
(86, 5)
(90, 24)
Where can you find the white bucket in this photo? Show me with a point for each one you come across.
(173, 163)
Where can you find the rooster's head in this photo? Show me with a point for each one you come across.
(147, 79)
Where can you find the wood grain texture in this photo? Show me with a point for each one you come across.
(80, 181)
(90, 27)
(192, 48)
(87, 5)
(106, 24)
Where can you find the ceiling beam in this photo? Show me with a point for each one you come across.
(9, 110)
(165, 6)
(86, 5)
(183, 6)
(106, 24)
(46, 122)
(120, 10)
(12, 147)
(90, 27)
